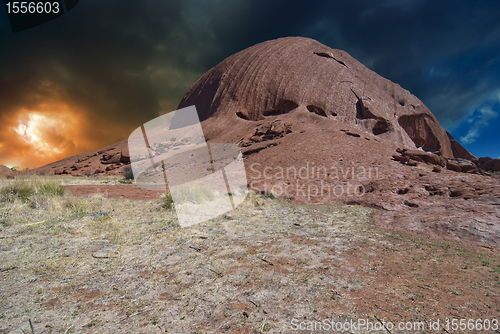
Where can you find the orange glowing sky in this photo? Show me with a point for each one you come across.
(32, 138)
(49, 121)
(40, 137)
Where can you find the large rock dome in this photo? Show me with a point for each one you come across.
(300, 74)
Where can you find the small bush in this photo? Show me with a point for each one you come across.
(128, 174)
(268, 195)
(51, 188)
(167, 201)
(265, 327)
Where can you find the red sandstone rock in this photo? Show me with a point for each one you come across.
(426, 157)
(466, 165)
(125, 158)
(87, 163)
(345, 116)
(492, 165)
(452, 165)
(296, 74)
(401, 158)
(111, 167)
(484, 160)
(458, 150)
(112, 158)
(6, 172)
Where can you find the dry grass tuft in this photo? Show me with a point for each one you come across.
(25, 188)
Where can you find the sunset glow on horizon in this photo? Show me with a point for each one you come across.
(40, 137)
(47, 124)
(33, 131)
(48, 134)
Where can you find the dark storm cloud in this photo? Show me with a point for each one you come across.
(128, 49)
(124, 62)
(445, 52)
(99, 58)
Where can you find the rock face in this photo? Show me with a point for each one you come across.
(316, 126)
(458, 150)
(300, 74)
(492, 165)
(111, 160)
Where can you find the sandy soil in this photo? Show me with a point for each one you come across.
(118, 265)
(113, 191)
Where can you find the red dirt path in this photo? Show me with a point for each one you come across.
(115, 191)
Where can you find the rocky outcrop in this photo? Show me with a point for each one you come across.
(491, 165)
(484, 160)
(268, 131)
(454, 166)
(110, 160)
(296, 74)
(6, 172)
(425, 157)
(458, 150)
(413, 157)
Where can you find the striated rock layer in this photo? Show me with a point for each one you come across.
(296, 74)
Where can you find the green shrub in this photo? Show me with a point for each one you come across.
(268, 195)
(128, 174)
(167, 201)
(51, 188)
